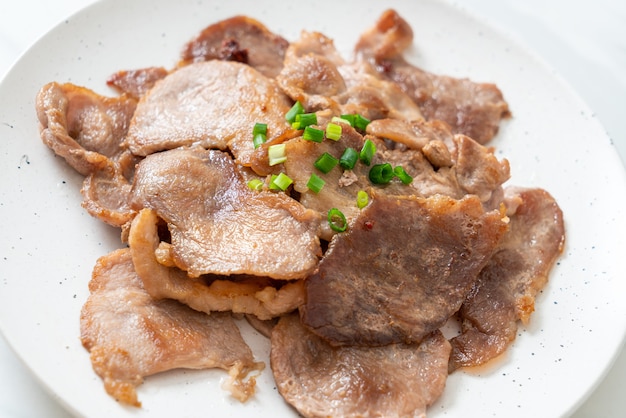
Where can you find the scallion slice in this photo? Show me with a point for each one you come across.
(281, 182)
(381, 173)
(313, 134)
(296, 109)
(361, 199)
(337, 220)
(325, 162)
(255, 184)
(349, 119)
(276, 154)
(360, 122)
(259, 128)
(304, 119)
(337, 119)
(402, 175)
(315, 183)
(349, 158)
(367, 152)
(333, 131)
(258, 139)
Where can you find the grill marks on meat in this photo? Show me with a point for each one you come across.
(130, 336)
(257, 296)
(473, 109)
(374, 288)
(320, 380)
(506, 288)
(218, 225)
(240, 39)
(181, 110)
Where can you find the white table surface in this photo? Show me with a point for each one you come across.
(584, 41)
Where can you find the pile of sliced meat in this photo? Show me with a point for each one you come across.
(352, 281)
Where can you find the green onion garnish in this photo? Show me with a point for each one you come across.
(337, 220)
(315, 183)
(258, 139)
(304, 119)
(402, 175)
(333, 131)
(367, 152)
(296, 109)
(255, 184)
(325, 162)
(281, 181)
(259, 134)
(360, 122)
(361, 199)
(337, 119)
(381, 173)
(348, 118)
(276, 154)
(313, 134)
(349, 158)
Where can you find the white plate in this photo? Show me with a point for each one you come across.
(50, 244)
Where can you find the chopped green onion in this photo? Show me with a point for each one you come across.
(315, 183)
(304, 119)
(313, 134)
(402, 175)
(337, 220)
(259, 128)
(281, 181)
(360, 122)
(255, 184)
(349, 119)
(361, 199)
(325, 162)
(349, 158)
(337, 119)
(367, 152)
(381, 173)
(276, 154)
(296, 109)
(333, 131)
(258, 139)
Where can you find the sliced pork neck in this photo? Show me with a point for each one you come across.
(470, 108)
(402, 269)
(218, 225)
(506, 288)
(319, 380)
(130, 336)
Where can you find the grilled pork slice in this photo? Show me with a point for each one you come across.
(130, 336)
(319, 380)
(470, 108)
(218, 225)
(240, 39)
(506, 288)
(136, 83)
(254, 295)
(401, 270)
(214, 104)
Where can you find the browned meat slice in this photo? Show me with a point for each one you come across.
(317, 76)
(136, 83)
(241, 39)
(257, 296)
(506, 288)
(401, 270)
(81, 126)
(130, 336)
(88, 130)
(218, 225)
(182, 110)
(473, 109)
(319, 380)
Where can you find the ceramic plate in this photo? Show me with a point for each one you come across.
(50, 244)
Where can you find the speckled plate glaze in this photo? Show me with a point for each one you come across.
(50, 243)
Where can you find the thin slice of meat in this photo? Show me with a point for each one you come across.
(319, 380)
(218, 225)
(401, 270)
(258, 296)
(130, 336)
(470, 108)
(83, 127)
(506, 288)
(182, 109)
(240, 39)
(136, 83)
